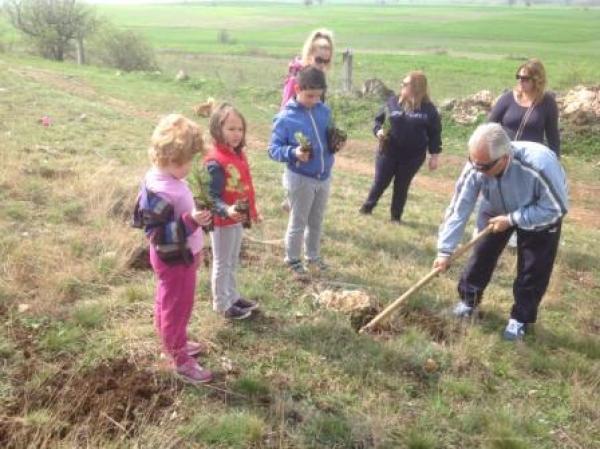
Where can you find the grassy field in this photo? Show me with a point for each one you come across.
(80, 366)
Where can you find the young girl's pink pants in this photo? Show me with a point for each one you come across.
(175, 291)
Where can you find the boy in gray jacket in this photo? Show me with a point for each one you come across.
(524, 189)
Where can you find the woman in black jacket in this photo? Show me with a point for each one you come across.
(407, 128)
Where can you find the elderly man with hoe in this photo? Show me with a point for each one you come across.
(524, 189)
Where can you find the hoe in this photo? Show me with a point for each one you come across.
(433, 273)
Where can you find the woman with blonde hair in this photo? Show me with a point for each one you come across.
(407, 127)
(317, 51)
(529, 112)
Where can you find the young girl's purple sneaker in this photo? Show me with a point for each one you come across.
(193, 373)
(194, 348)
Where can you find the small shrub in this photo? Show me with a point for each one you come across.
(89, 315)
(63, 338)
(252, 388)
(18, 210)
(420, 439)
(133, 294)
(327, 431)
(124, 50)
(224, 37)
(73, 212)
(71, 289)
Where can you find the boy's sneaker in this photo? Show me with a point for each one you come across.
(235, 313)
(194, 348)
(193, 373)
(462, 310)
(243, 303)
(317, 265)
(298, 270)
(515, 330)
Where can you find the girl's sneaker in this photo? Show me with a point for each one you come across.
(193, 373)
(247, 304)
(194, 348)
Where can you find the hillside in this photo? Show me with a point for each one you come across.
(80, 364)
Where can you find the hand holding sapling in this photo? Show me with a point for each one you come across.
(200, 181)
(304, 151)
(202, 217)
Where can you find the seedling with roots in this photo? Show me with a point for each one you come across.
(242, 205)
(336, 137)
(200, 190)
(305, 145)
(386, 127)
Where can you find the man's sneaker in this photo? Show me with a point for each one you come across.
(317, 265)
(194, 348)
(193, 373)
(515, 330)
(462, 310)
(235, 313)
(395, 221)
(247, 304)
(298, 270)
(365, 210)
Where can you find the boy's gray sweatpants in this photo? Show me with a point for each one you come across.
(226, 246)
(308, 199)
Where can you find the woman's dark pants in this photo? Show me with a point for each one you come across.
(402, 172)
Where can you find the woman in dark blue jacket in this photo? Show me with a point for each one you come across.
(407, 128)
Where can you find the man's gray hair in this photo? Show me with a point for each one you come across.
(495, 138)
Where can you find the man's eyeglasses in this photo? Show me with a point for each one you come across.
(319, 60)
(522, 78)
(484, 167)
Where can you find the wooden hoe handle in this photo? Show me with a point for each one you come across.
(433, 273)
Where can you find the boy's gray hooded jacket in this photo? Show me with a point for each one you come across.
(532, 190)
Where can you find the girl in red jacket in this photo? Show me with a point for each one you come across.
(233, 194)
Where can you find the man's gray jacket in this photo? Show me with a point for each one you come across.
(532, 190)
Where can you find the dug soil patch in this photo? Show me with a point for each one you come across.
(112, 399)
(439, 329)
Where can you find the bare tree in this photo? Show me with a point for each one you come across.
(52, 24)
